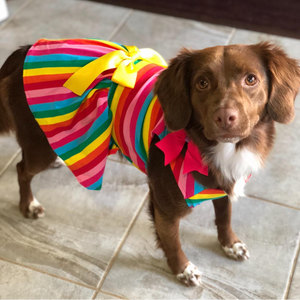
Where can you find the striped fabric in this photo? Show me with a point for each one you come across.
(84, 130)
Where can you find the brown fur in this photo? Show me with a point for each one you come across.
(186, 106)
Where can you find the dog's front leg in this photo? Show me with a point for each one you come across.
(231, 244)
(168, 234)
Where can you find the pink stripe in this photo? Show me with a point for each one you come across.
(132, 116)
(101, 50)
(83, 52)
(64, 137)
(49, 98)
(182, 182)
(88, 176)
(60, 97)
(49, 92)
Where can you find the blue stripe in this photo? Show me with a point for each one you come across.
(198, 187)
(67, 102)
(139, 125)
(105, 115)
(57, 57)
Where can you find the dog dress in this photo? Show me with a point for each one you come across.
(92, 98)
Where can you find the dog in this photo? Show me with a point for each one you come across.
(225, 99)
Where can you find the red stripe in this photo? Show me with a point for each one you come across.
(102, 153)
(93, 179)
(73, 42)
(45, 84)
(89, 158)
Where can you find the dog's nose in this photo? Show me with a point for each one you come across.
(225, 117)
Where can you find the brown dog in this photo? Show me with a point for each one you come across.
(226, 98)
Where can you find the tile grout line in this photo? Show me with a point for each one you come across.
(289, 282)
(230, 38)
(10, 18)
(123, 21)
(10, 162)
(48, 274)
(110, 294)
(121, 243)
(273, 202)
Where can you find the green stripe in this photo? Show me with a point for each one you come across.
(56, 64)
(99, 187)
(84, 144)
(68, 109)
(111, 93)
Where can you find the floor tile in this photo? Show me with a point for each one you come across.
(14, 5)
(294, 293)
(8, 147)
(81, 230)
(54, 19)
(20, 283)
(167, 35)
(280, 179)
(102, 296)
(290, 46)
(270, 231)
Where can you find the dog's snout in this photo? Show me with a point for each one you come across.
(225, 117)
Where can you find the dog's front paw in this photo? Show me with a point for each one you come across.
(238, 251)
(191, 276)
(35, 210)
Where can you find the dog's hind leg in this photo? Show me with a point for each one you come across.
(31, 164)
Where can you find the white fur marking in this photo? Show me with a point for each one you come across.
(34, 205)
(235, 164)
(238, 189)
(238, 251)
(190, 276)
(57, 163)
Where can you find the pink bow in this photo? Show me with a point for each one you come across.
(173, 143)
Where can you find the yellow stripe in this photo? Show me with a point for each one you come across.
(50, 71)
(209, 196)
(90, 148)
(113, 108)
(58, 119)
(146, 125)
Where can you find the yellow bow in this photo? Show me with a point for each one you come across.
(125, 73)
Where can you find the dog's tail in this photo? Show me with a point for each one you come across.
(13, 63)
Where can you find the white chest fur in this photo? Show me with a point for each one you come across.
(236, 165)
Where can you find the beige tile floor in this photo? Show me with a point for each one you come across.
(101, 244)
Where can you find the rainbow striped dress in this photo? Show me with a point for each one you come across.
(86, 124)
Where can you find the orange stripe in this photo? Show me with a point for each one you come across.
(117, 128)
(212, 192)
(153, 121)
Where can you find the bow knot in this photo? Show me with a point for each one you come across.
(172, 145)
(122, 60)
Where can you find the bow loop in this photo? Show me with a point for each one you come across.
(172, 145)
(122, 60)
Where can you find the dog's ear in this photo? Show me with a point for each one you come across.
(173, 91)
(284, 82)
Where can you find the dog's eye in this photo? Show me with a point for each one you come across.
(203, 84)
(251, 80)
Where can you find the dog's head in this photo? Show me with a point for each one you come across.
(227, 90)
